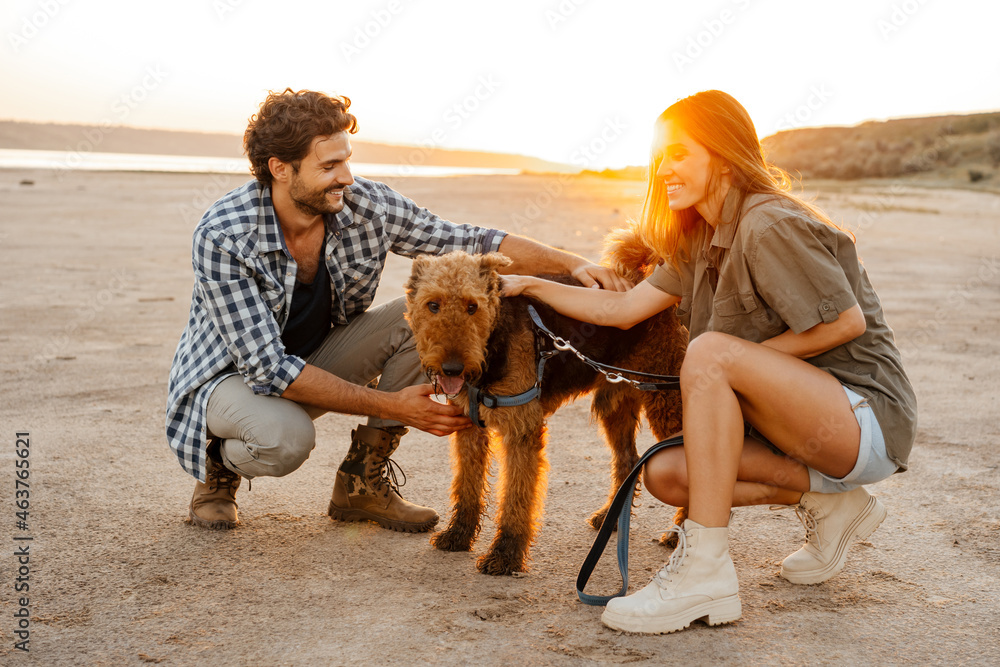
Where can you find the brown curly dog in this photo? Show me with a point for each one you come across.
(466, 333)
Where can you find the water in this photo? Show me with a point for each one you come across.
(89, 161)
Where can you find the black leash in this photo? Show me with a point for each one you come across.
(612, 374)
(621, 507)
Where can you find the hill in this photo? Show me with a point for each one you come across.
(121, 139)
(947, 147)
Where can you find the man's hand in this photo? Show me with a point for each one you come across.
(412, 405)
(531, 258)
(596, 276)
(416, 408)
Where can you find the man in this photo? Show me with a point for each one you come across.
(280, 331)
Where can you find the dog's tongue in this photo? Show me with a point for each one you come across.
(450, 385)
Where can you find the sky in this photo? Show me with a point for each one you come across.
(574, 81)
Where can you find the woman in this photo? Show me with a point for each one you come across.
(792, 386)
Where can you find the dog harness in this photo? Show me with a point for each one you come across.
(479, 397)
(612, 374)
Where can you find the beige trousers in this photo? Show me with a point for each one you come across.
(272, 436)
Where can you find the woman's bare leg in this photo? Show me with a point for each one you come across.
(798, 407)
(763, 477)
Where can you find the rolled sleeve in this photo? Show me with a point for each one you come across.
(797, 272)
(666, 279)
(414, 230)
(281, 375)
(239, 313)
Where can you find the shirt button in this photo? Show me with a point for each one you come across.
(826, 306)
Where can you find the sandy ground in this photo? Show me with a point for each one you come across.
(96, 286)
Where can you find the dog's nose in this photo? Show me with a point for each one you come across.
(452, 368)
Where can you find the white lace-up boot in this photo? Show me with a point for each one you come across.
(832, 522)
(698, 582)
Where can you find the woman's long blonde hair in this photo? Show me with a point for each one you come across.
(719, 123)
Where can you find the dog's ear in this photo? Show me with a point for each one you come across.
(416, 271)
(488, 266)
(492, 262)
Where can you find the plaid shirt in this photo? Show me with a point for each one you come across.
(244, 276)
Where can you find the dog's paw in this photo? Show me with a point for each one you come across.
(596, 519)
(452, 540)
(499, 564)
(668, 540)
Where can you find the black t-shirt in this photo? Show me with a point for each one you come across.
(309, 318)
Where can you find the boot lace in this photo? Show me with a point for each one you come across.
(676, 558)
(808, 521)
(385, 475)
(221, 479)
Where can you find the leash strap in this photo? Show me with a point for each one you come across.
(479, 397)
(613, 374)
(621, 507)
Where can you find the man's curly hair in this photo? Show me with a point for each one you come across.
(286, 124)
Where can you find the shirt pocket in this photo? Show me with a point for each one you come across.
(360, 281)
(744, 315)
(734, 315)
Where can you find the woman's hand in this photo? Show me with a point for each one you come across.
(513, 285)
(597, 306)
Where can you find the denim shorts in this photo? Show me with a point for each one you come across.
(873, 464)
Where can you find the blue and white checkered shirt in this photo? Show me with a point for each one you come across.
(244, 276)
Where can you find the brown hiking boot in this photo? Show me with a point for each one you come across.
(213, 504)
(366, 488)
